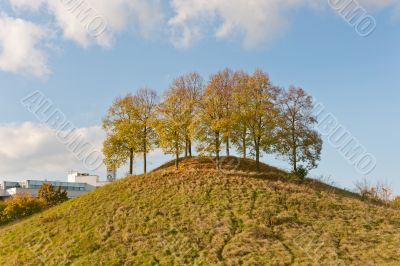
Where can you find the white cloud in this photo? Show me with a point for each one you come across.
(254, 22)
(91, 22)
(33, 151)
(20, 50)
(29, 150)
(97, 21)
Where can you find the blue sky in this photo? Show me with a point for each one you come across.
(313, 47)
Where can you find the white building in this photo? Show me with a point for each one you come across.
(78, 184)
(90, 180)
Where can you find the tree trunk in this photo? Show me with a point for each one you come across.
(131, 162)
(177, 153)
(190, 148)
(217, 148)
(244, 144)
(294, 159)
(145, 162)
(186, 146)
(227, 147)
(258, 159)
(257, 148)
(145, 151)
(177, 160)
(294, 148)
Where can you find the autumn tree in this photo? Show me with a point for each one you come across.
(116, 152)
(298, 141)
(240, 131)
(254, 112)
(223, 81)
(52, 196)
(171, 123)
(259, 113)
(214, 118)
(190, 88)
(121, 126)
(233, 108)
(145, 103)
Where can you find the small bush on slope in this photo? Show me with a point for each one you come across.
(51, 196)
(19, 207)
(198, 216)
(2, 217)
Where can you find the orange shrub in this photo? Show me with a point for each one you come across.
(21, 206)
(396, 201)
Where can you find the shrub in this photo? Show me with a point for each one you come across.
(21, 206)
(365, 190)
(381, 191)
(301, 173)
(2, 218)
(52, 196)
(396, 201)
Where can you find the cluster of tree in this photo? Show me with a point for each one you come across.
(233, 109)
(21, 206)
(51, 196)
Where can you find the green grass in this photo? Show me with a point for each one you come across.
(198, 216)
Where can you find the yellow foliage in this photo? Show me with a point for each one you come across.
(20, 206)
(396, 201)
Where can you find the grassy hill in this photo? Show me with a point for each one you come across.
(198, 216)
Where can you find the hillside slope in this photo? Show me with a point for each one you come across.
(198, 216)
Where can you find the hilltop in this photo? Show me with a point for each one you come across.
(200, 216)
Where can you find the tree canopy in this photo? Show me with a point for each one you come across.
(128, 124)
(233, 109)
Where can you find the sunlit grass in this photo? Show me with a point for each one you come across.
(200, 216)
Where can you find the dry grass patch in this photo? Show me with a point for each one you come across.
(200, 216)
